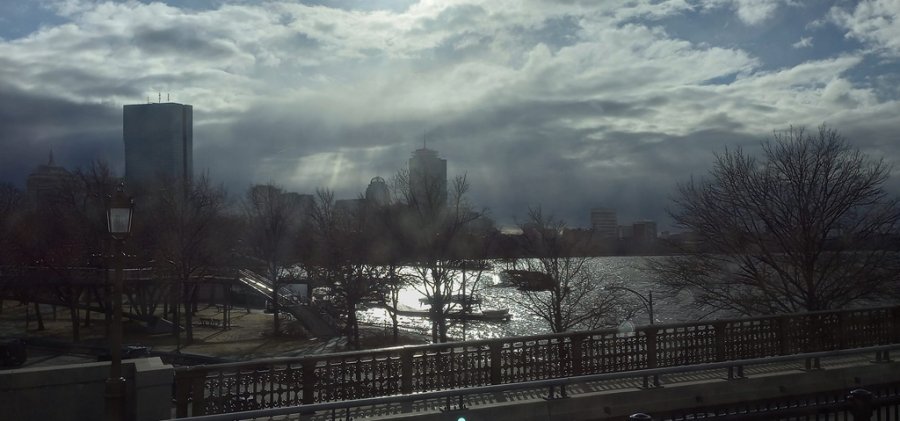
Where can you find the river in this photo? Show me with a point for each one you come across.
(624, 270)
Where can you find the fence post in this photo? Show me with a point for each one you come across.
(577, 354)
(719, 330)
(198, 395)
(842, 333)
(895, 321)
(496, 348)
(861, 407)
(308, 368)
(182, 392)
(406, 370)
(650, 333)
(814, 340)
(784, 340)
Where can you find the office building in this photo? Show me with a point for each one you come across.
(158, 142)
(428, 178)
(378, 194)
(604, 222)
(44, 185)
(644, 230)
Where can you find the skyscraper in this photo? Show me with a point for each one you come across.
(377, 192)
(158, 142)
(604, 222)
(44, 184)
(428, 178)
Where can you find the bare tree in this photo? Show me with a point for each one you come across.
(389, 251)
(12, 202)
(185, 218)
(432, 225)
(63, 229)
(271, 218)
(347, 256)
(805, 228)
(572, 296)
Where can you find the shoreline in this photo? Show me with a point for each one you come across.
(249, 337)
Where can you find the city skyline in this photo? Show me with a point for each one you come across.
(565, 106)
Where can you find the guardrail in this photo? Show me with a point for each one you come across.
(455, 398)
(316, 379)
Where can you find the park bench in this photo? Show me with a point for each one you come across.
(210, 322)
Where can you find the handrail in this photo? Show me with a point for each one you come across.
(535, 384)
(424, 368)
(526, 338)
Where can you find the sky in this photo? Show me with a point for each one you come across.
(565, 104)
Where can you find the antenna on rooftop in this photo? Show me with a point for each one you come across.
(160, 97)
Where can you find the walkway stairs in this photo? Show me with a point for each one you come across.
(316, 321)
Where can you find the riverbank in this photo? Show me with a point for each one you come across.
(249, 337)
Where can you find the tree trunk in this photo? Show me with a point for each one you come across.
(188, 316)
(395, 325)
(276, 322)
(176, 320)
(73, 315)
(353, 327)
(38, 315)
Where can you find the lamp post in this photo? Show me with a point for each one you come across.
(118, 218)
(646, 300)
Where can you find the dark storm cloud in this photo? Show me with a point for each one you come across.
(181, 40)
(32, 124)
(567, 105)
(85, 83)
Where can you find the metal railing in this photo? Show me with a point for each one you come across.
(279, 382)
(455, 398)
(881, 401)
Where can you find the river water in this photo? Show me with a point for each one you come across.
(623, 270)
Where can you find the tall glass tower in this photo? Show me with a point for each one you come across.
(158, 142)
(428, 178)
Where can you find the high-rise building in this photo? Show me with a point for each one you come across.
(45, 183)
(158, 142)
(428, 178)
(377, 193)
(604, 222)
(644, 230)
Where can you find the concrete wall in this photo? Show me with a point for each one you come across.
(77, 392)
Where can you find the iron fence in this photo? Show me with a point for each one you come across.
(280, 382)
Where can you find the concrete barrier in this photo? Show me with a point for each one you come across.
(77, 391)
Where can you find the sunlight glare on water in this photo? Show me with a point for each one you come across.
(626, 271)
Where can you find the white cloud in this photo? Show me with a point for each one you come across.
(804, 42)
(750, 12)
(876, 22)
(296, 92)
(754, 12)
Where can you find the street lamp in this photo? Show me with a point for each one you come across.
(118, 217)
(646, 300)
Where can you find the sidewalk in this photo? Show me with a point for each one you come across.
(250, 335)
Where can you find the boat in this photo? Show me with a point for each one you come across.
(473, 265)
(455, 299)
(526, 280)
(488, 314)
